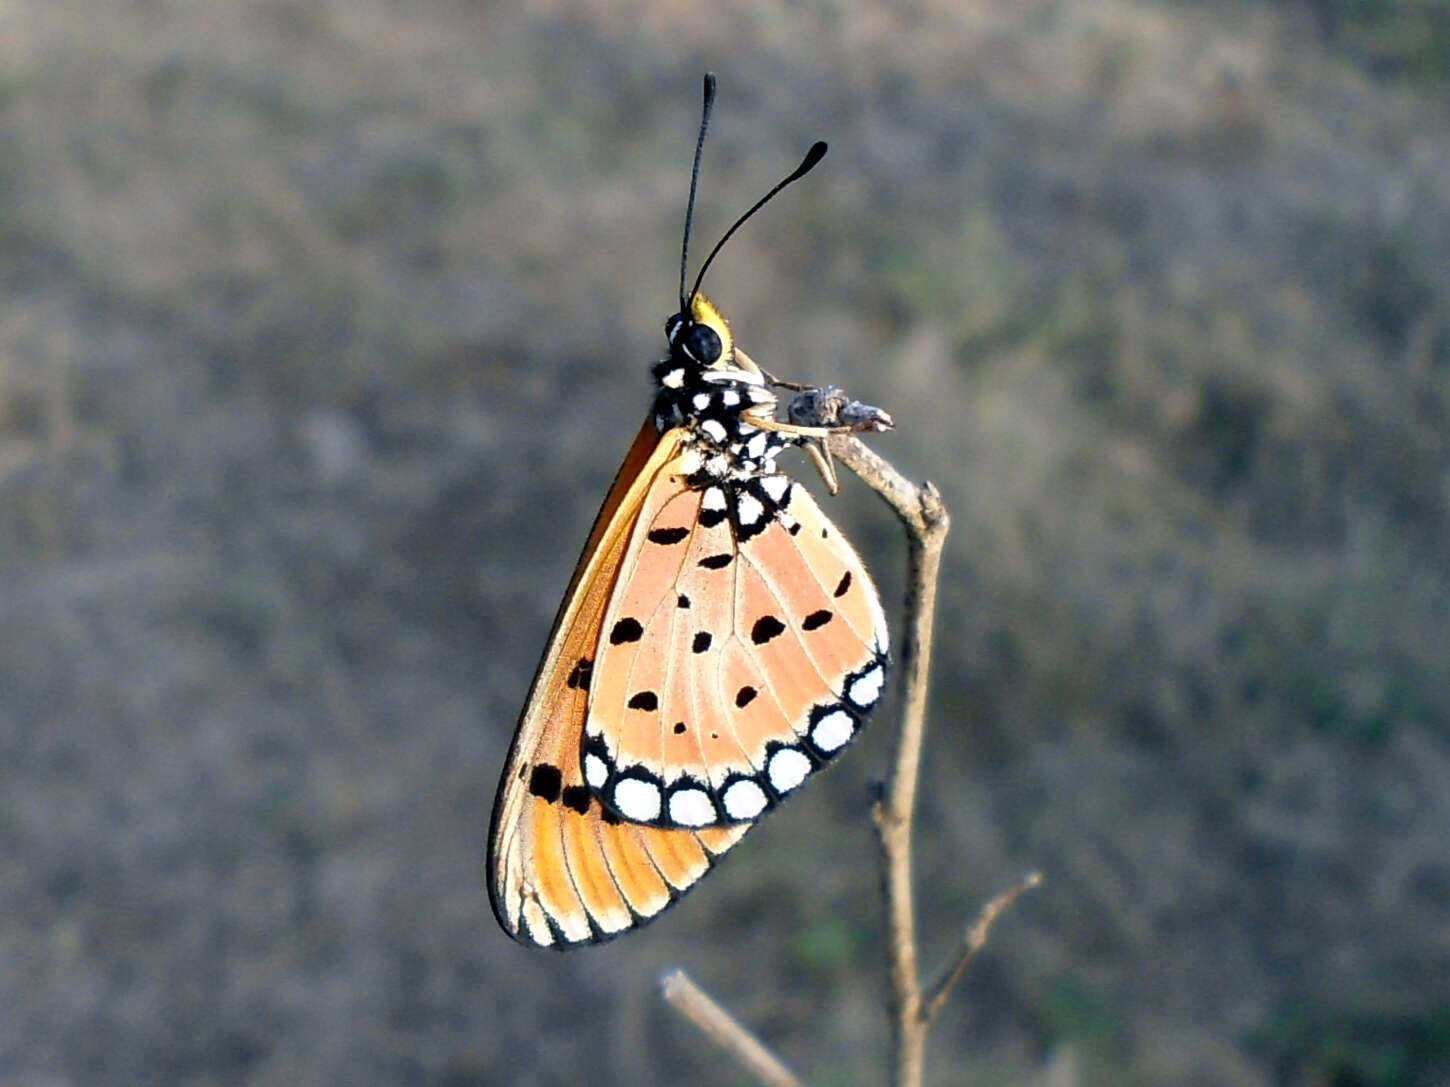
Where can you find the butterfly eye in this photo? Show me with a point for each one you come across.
(701, 343)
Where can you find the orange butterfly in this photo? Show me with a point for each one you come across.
(719, 642)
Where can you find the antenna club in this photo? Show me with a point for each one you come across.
(814, 155)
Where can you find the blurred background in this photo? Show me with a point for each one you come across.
(325, 324)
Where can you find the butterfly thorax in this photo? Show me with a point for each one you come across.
(703, 389)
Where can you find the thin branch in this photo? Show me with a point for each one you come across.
(973, 940)
(918, 507)
(925, 519)
(922, 514)
(700, 1008)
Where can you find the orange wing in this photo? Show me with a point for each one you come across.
(741, 652)
(563, 870)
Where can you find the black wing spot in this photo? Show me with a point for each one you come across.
(667, 535)
(711, 518)
(825, 532)
(717, 562)
(626, 630)
(546, 781)
(682, 601)
(766, 628)
(745, 696)
(679, 727)
(817, 619)
(577, 798)
(843, 584)
(702, 642)
(579, 678)
(795, 529)
(644, 700)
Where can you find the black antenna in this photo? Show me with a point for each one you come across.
(813, 156)
(694, 181)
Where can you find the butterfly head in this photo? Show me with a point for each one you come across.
(700, 339)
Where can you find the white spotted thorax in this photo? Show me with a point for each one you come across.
(703, 388)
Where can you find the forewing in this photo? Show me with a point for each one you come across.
(742, 651)
(563, 870)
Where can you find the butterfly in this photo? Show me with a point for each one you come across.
(719, 642)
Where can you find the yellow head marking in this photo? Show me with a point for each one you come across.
(703, 311)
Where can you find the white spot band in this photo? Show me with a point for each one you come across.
(744, 800)
(788, 768)
(833, 731)
(691, 808)
(865, 689)
(637, 800)
(595, 772)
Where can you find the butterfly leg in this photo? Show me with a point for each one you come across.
(754, 367)
(827, 409)
(811, 440)
(819, 413)
(821, 457)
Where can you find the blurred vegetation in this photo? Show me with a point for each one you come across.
(323, 325)
(1399, 39)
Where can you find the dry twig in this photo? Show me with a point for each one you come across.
(973, 940)
(725, 1030)
(920, 510)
